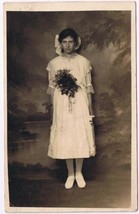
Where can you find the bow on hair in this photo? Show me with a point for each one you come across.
(58, 48)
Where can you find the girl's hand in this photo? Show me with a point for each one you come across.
(91, 119)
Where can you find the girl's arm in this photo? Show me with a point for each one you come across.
(51, 97)
(51, 87)
(90, 103)
(90, 89)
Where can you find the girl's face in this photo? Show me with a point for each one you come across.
(68, 45)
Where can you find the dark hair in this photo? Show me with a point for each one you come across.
(68, 32)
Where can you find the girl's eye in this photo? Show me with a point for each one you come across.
(64, 42)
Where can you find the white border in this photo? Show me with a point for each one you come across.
(95, 5)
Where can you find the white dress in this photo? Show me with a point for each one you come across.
(72, 135)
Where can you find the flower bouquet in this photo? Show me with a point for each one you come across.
(66, 82)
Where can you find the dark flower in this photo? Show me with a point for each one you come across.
(66, 82)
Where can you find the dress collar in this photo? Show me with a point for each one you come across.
(69, 56)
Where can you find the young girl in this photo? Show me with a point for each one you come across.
(70, 88)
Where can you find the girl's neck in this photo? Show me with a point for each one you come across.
(69, 55)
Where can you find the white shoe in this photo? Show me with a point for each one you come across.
(69, 182)
(80, 180)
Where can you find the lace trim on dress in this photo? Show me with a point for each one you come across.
(50, 90)
(90, 89)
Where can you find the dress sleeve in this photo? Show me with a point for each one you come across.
(51, 87)
(89, 86)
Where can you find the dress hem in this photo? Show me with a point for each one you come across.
(63, 158)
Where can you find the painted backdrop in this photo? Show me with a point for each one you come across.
(30, 46)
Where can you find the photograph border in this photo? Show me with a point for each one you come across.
(78, 6)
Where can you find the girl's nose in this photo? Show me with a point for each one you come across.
(67, 45)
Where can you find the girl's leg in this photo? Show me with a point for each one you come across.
(79, 177)
(70, 180)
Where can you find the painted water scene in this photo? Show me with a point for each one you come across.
(34, 178)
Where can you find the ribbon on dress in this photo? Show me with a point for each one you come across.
(71, 101)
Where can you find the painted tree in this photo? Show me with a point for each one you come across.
(107, 28)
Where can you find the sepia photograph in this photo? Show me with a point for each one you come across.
(70, 106)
